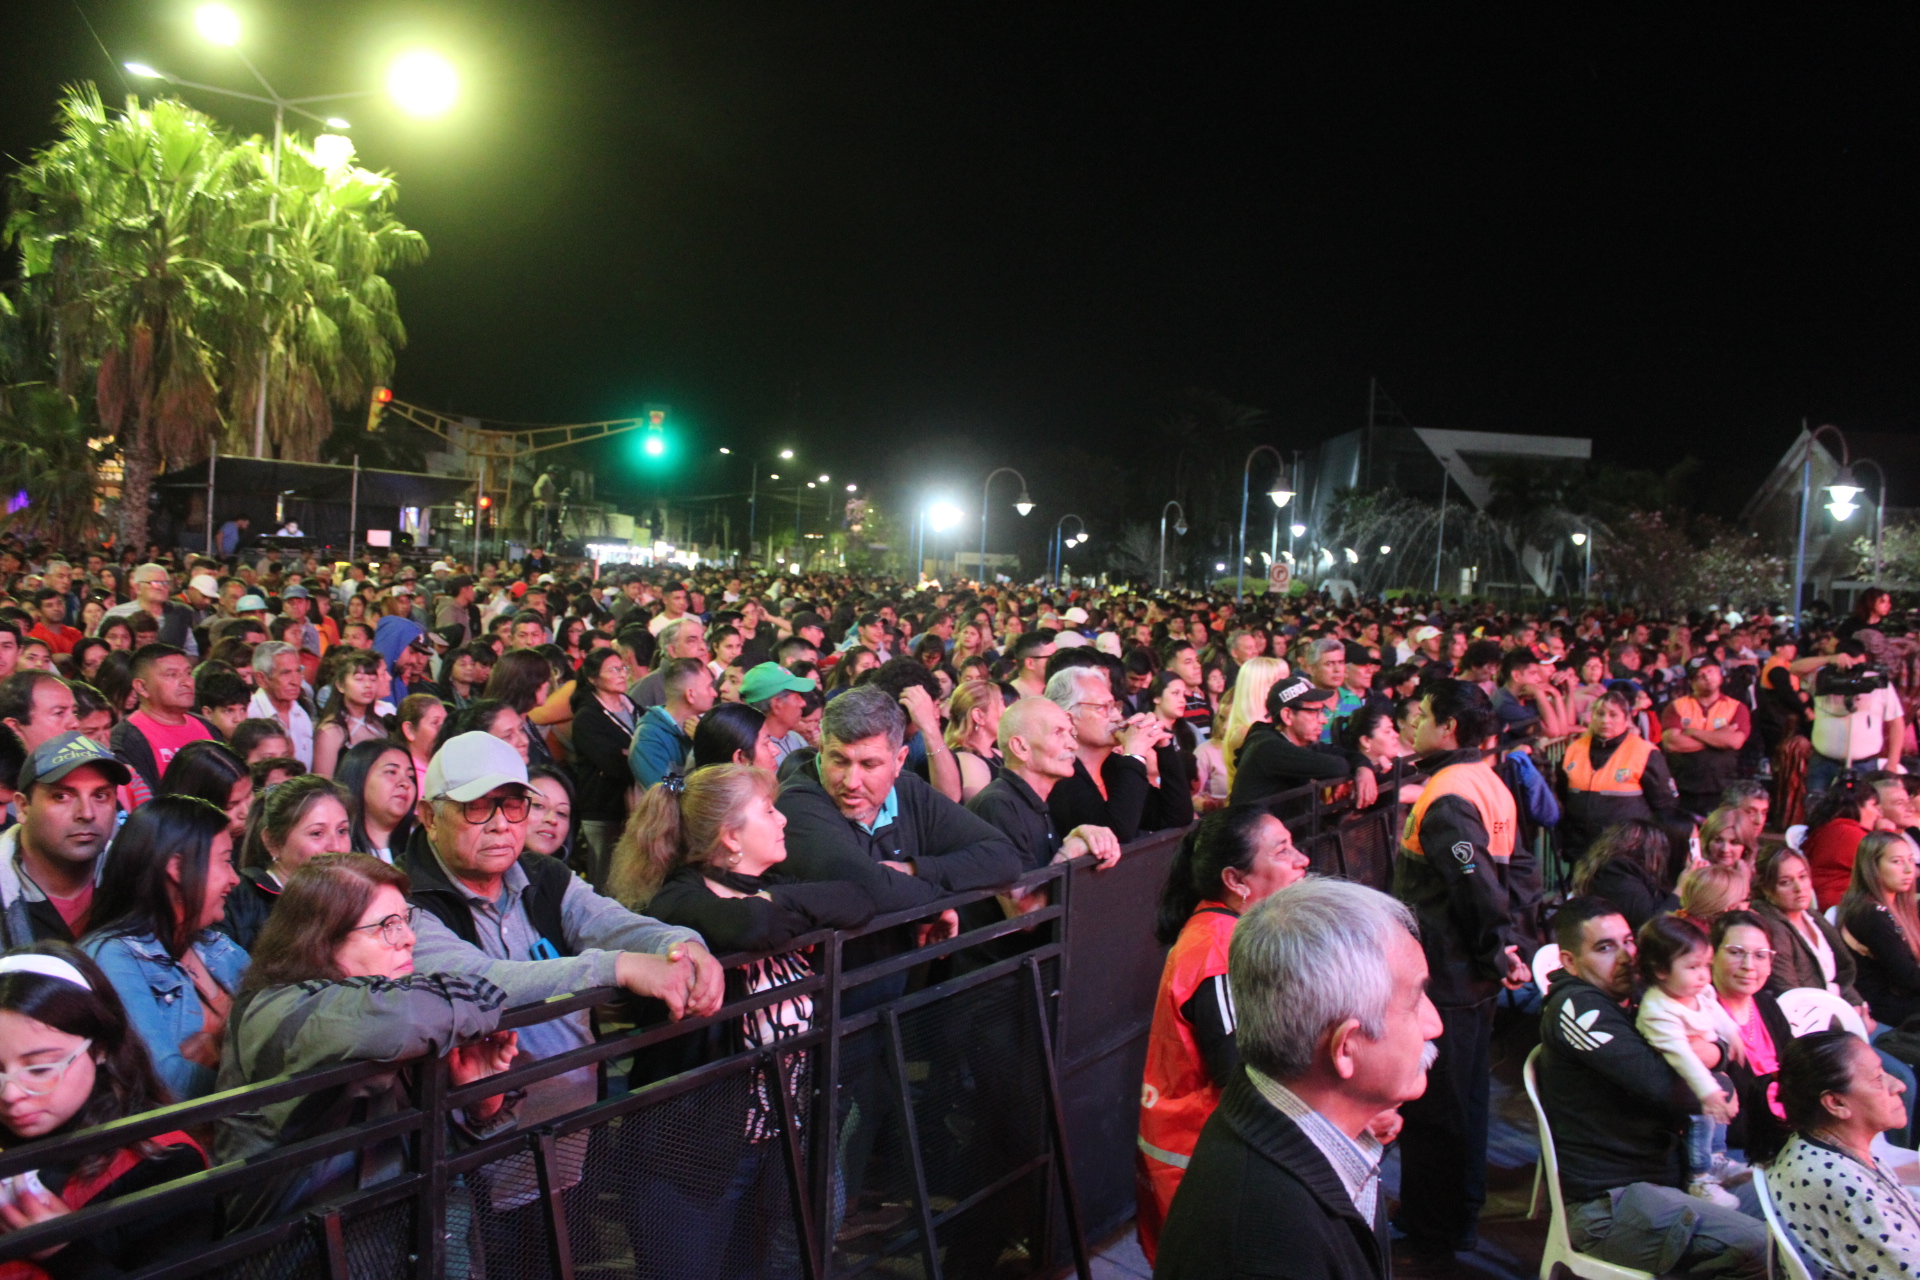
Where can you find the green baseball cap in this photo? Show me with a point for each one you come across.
(770, 678)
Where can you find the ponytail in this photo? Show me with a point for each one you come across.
(680, 822)
(1177, 898)
(1222, 839)
(649, 848)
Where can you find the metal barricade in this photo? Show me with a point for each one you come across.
(922, 1122)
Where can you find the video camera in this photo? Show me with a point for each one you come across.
(1833, 682)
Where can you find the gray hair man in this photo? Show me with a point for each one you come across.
(153, 593)
(527, 924)
(1335, 1031)
(279, 680)
(1122, 753)
(686, 638)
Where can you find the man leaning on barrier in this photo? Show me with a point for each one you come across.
(526, 923)
(1335, 1029)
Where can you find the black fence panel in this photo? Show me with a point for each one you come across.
(962, 1110)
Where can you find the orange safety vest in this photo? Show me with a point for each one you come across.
(1477, 783)
(1176, 1095)
(1621, 774)
(1771, 664)
(1694, 716)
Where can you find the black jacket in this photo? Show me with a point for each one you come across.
(248, 907)
(1617, 1110)
(1269, 764)
(1012, 808)
(1889, 976)
(132, 747)
(1461, 903)
(951, 850)
(600, 769)
(1756, 1130)
(756, 923)
(1632, 888)
(1259, 1199)
(132, 1246)
(1131, 805)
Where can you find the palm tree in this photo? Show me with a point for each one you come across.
(45, 459)
(127, 228)
(327, 312)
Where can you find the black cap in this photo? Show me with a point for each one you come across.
(1361, 655)
(61, 754)
(1300, 692)
(809, 620)
(1704, 660)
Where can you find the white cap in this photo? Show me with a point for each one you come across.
(441, 566)
(1076, 615)
(1069, 640)
(206, 584)
(471, 765)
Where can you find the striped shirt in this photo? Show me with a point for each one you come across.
(1356, 1162)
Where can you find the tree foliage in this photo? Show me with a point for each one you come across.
(160, 257)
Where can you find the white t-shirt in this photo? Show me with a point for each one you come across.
(1860, 736)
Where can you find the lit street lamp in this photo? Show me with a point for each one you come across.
(1179, 528)
(1060, 548)
(1280, 494)
(421, 83)
(1023, 504)
(1842, 491)
(1586, 575)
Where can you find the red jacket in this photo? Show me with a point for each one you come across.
(1829, 851)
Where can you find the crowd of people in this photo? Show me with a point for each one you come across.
(269, 813)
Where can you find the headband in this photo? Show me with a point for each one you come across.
(46, 967)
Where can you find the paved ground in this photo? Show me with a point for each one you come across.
(1510, 1243)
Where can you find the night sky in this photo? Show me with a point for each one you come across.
(917, 239)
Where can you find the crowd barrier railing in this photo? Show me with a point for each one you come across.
(967, 1108)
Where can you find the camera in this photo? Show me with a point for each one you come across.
(1832, 682)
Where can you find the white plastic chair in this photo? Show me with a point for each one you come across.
(1809, 1009)
(1545, 961)
(1559, 1251)
(1779, 1240)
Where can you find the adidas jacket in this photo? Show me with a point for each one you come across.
(1617, 1110)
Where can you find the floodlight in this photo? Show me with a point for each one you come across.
(423, 83)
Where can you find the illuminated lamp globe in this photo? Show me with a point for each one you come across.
(423, 83)
(217, 24)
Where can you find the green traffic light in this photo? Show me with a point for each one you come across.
(655, 446)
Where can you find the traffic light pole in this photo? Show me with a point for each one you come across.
(479, 512)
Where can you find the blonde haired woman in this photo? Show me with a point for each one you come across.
(698, 848)
(1708, 891)
(973, 731)
(1248, 706)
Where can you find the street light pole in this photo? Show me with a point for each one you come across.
(1806, 507)
(1023, 505)
(1179, 528)
(1280, 494)
(1060, 550)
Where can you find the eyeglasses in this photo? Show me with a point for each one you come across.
(1107, 708)
(1740, 955)
(45, 1077)
(394, 930)
(480, 812)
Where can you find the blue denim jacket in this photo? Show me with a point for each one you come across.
(160, 997)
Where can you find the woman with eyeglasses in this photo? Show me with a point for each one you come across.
(164, 889)
(292, 821)
(1742, 964)
(70, 1060)
(307, 1003)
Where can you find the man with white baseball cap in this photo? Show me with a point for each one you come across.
(527, 924)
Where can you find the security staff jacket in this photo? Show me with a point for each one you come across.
(1452, 873)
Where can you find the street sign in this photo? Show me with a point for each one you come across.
(1280, 577)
